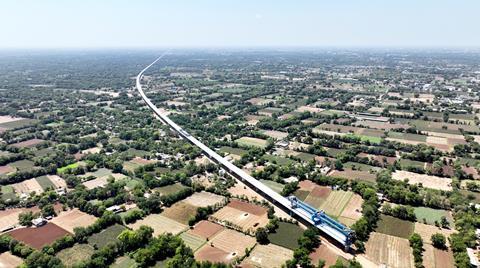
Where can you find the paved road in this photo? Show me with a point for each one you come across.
(277, 199)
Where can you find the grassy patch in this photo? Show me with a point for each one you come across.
(8, 193)
(231, 150)
(75, 254)
(396, 227)
(106, 236)
(45, 182)
(278, 159)
(277, 187)
(301, 194)
(286, 235)
(370, 139)
(251, 142)
(170, 189)
(22, 165)
(431, 215)
(65, 168)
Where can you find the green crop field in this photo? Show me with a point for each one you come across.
(431, 215)
(8, 193)
(106, 236)
(75, 254)
(170, 189)
(396, 227)
(251, 142)
(306, 157)
(286, 235)
(71, 166)
(22, 165)
(45, 182)
(277, 187)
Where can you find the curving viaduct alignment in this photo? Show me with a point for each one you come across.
(278, 200)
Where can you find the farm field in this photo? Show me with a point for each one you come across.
(23, 165)
(170, 189)
(426, 231)
(192, 241)
(325, 253)
(8, 193)
(106, 236)
(226, 245)
(286, 235)
(350, 174)
(245, 216)
(9, 217)
(180, 212)
(278, 159)
(251, 142)
(67, 167)
(204, 199)
(231, 150)
(277, 187)
(160, 224)
(428, 181)
(432, 215)
(27, 187)
(45, 183)
(38, 237)
(70, 219)
(8, 260)
(266, 256)
(390, 250)
(279, 135)
(395, 227)
(28, 143)
(75, 254)
(206, 229)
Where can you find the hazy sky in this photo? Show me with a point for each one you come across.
(204, 23)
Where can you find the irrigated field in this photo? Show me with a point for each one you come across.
(251, 142)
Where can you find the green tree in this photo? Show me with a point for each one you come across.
(262, 236)
(439, 241)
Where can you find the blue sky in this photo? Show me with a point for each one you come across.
(240, 23)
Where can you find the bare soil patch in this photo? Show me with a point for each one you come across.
(73, 218)
(39, 237)
(426, 231)
(9, 260)
(428, 181)
(266, 256)
(180, 212)
(390, 250)
(324, 253)
(6, 169)
(248, 207)
(160, 224)
(206, 229)
(9, 217)
(204, 199)
(28, 143)
(27, 187)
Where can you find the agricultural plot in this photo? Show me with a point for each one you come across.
(431, 215)
(192, 241)
(28, 143)
(228, 241)
(394, 227)
(325, 253)
(266, 256)
(45, 183)
(234, 151)
(278, 159)
(22, 165)
(8, 193)
(206, 229)
(4, 170)
(350, 174)
(39, 237)
(9, 260)
(160, 224)
(106, 236)
(251, 142)
(17, 123)
(204, 199)
(426, 231)
(170, 189)
(389, 250)
(180, 212)
(74, 255)
(277, 187)
(428, 181)
(352, 211)
(71, 166)
(245, 216)
(336, 202)
(279, 135)
(9, 217)
(28, 186)
(286, 235)
(73, 218)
